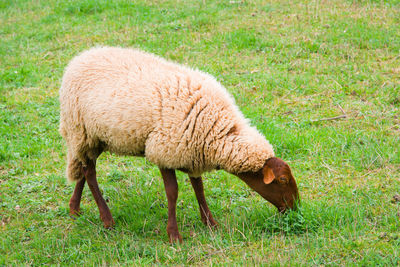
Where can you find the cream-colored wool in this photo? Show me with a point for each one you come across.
(134, 103)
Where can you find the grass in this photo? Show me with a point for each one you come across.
(287, 63)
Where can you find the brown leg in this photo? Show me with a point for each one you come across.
(75, 201)
(90, 175)
(205, 213)
(171, 188)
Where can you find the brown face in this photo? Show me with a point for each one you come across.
(275, 183)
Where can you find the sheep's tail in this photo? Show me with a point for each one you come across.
(74, 168)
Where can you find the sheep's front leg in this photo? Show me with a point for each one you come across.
(171, 188)
(75, 201)
(205, 213)
(90, 174)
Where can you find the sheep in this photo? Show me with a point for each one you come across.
(130, 102)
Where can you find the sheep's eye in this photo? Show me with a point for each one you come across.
(283, 180)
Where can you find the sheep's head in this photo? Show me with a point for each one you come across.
(275, 183)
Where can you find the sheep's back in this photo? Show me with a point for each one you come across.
(109, 94)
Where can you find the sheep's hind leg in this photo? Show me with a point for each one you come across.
(171, 188)
(90, 175)
(75, 201)
(205, 213)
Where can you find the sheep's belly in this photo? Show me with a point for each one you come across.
(124, 153)
(125, 149)
(122, 141)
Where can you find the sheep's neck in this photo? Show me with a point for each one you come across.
(236, 154)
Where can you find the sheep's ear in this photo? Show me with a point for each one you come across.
(268, 174)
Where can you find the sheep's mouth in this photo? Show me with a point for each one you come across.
(293, 206)
(282, 210)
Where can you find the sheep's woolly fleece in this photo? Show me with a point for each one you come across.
(130, 102)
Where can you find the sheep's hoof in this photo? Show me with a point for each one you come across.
(109, 224)
(213, 224)
(210, 222)
(73, 217)
(74, 214)
(175, 238)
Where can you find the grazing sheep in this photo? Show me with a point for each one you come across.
(134, 103)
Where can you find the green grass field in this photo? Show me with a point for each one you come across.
(288, 64)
